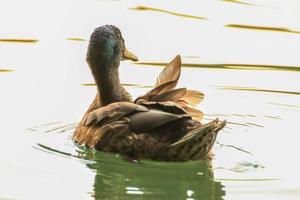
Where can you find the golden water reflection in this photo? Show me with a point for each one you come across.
(6, 70)
(229, 66)
(262, 28)
(239, 2)
(18, 40)
(75, 39)
(145, 8)
(257, 90)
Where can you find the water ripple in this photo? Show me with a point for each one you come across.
(252, 89)
(239, 2)
(76, 39)
(263, 28)
(229, 66)
(7, 70)
(144, 8)
(18, 40)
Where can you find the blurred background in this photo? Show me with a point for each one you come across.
(244, 55)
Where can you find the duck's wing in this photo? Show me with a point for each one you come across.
(121, 117)
(112, 112)
(176, 101)
(141, 118)
(164, 91)
(192, 97)
(167, 79)
(142, 122)
(170, 73)
(92, 125)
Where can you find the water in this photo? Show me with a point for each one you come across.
(243, 55)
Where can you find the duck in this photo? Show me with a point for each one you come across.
(163, 124)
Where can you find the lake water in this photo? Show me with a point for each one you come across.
(244, 55)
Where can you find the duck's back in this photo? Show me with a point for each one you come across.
(160, 132)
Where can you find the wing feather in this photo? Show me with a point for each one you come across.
(193, 97)
(172, 95)
(170, 73)
(112, 112)
(167, 79)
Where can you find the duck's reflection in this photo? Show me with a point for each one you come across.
(118, 179)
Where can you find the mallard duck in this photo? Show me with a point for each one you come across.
(160, 125)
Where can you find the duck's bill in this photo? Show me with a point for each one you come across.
(129, 56)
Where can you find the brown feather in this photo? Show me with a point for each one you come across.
(193, 97)
(171, 95)
(170, 73)
(194, 113)
(167, 79)
(189, 136)
(145, 121)
(197, 143)
(112, 112)
(167, 106)
(162, 88)
(103, 137)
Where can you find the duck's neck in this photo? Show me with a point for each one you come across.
(108, 84)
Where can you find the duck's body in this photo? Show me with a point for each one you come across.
(160, 125)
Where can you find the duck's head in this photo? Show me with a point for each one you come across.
(107, 47)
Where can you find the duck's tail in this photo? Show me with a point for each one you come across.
(197, 143)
